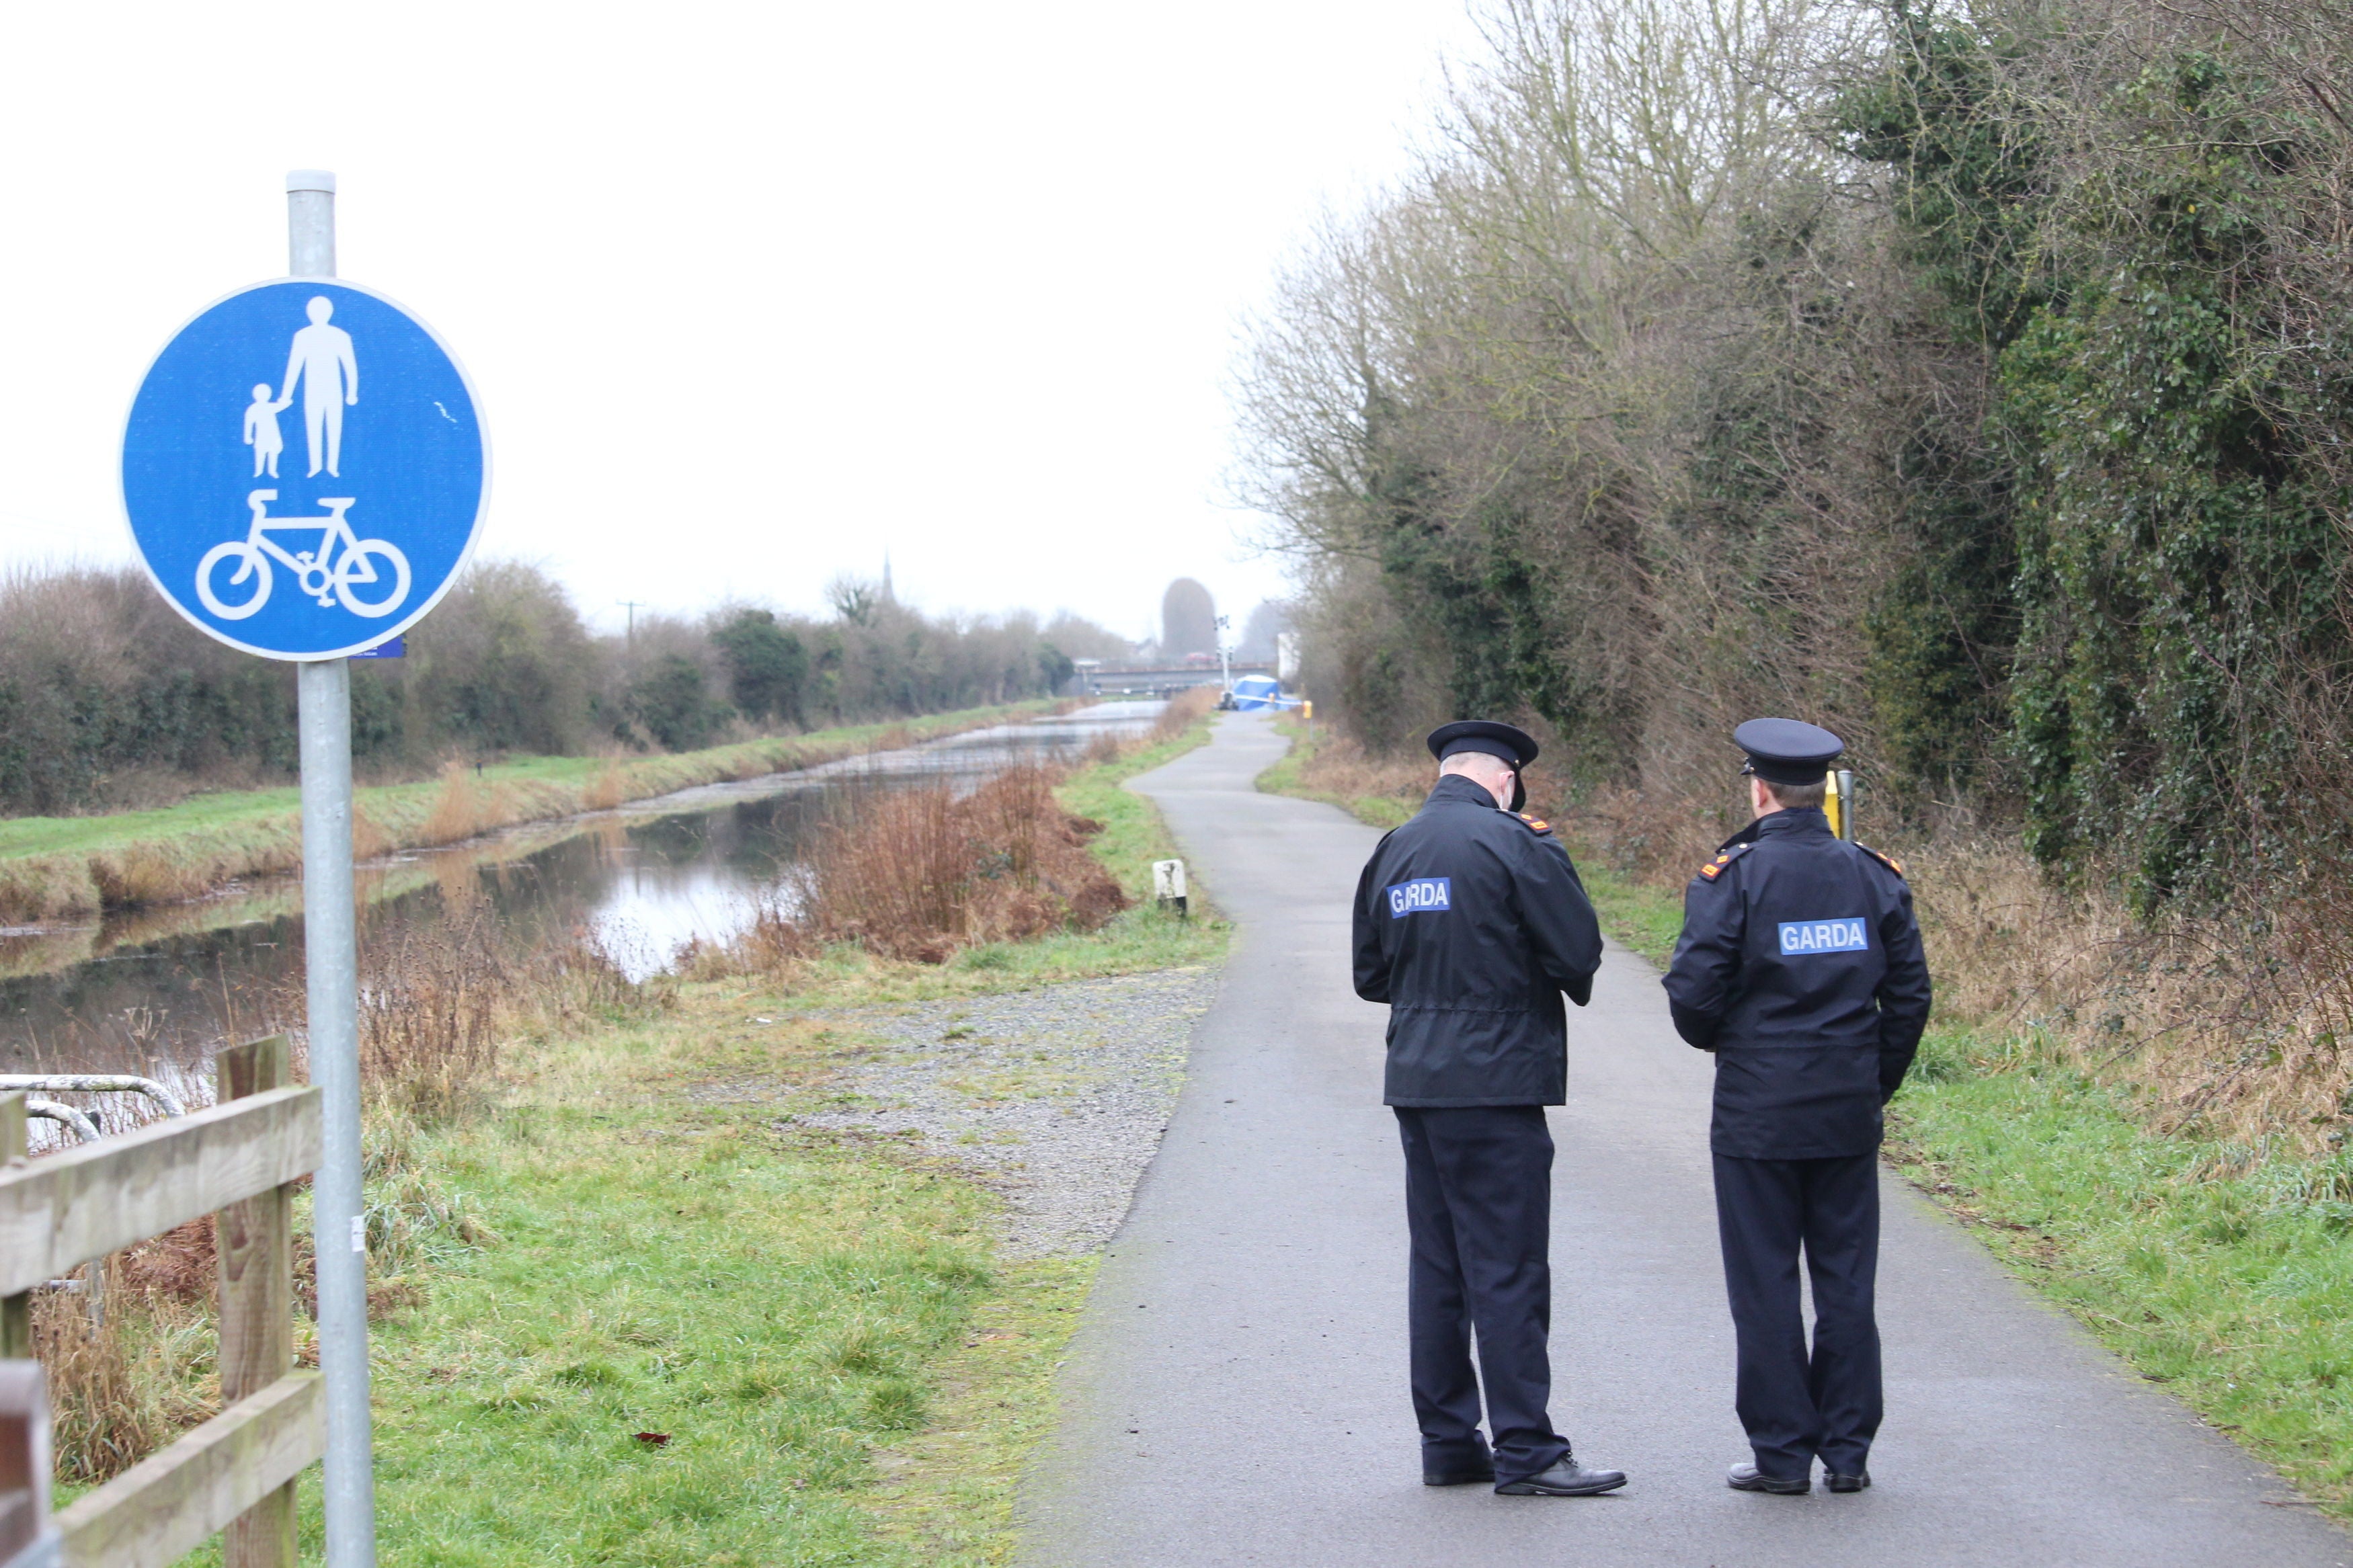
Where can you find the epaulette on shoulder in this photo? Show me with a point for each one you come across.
(1715, 868)
(1536, 823)
(1890, 861)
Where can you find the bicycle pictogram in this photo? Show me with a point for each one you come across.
(324, 574)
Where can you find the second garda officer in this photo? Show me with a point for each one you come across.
(1471, 923)
(1800, 967)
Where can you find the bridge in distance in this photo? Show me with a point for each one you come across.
(1157, 681)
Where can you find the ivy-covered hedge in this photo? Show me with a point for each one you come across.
(1982, 390)
(2176, 553)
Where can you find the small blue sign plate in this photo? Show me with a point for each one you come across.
(304, 470)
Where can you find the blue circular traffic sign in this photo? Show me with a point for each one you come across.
(304, 470)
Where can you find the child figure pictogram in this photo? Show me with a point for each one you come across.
(261, 430)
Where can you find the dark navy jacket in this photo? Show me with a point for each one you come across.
(1470, 922)
(1800, 967)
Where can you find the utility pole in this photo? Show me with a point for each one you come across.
(1225, 657)
(331, 960)
(633, 607)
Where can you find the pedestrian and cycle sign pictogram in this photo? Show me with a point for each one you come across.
(304, 470)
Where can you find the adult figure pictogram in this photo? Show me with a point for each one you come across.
(322, 360)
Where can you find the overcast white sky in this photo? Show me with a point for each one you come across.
(751, 292)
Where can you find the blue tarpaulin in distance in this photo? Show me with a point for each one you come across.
(1254, 692)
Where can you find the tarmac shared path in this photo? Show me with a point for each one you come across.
(1236, 1393)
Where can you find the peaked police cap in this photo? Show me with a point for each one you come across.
(1788, 751)
(1514, 745)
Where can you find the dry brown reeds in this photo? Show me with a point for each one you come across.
(1340, 767)
(122, 1388)
(607, 789)
(431, 1006)
(463, 809)
(2232, 1022)
(369, 840)
(439, 996)
(1183, 711)
(917, 873)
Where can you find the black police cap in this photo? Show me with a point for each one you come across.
(1788, 751)
(1514, 745)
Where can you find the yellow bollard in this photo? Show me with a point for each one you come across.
(1837, 804)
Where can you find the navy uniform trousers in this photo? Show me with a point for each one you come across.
(1478, 1198)
(1797, 1403)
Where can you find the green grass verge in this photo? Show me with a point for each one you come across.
(68, 867)
(634, 1242)
(2223, 1271)
(1133, 835)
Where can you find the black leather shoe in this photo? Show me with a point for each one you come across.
(1746, 1478)
(1567, 1479)
(1839, 1483)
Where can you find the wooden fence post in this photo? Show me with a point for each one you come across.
(26, 1538)
(255, 1240)
(15, 1312)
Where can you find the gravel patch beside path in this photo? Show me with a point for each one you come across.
(1053, 1099)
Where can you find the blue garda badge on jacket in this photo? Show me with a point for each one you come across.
(1424, 895)
(1824, 936)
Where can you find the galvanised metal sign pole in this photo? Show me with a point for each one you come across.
(313, 542)
(332, 967)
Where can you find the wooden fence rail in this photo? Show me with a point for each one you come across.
(238, 1160)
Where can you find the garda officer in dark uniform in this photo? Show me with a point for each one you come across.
(1800, 967)
(1471, 923)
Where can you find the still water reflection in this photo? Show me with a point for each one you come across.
(159, 990)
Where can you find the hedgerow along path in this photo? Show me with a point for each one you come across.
(1236, 1394)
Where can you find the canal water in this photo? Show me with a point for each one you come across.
(157, 991)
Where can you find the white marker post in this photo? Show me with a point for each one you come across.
(331, 959)
(1169, 885)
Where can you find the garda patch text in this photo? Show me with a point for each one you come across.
(1424, 895)
(1824, 936)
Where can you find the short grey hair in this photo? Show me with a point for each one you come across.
(1482, 766)
(1799, 797)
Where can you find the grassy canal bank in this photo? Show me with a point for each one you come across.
(56, 867)
(2219, 1266)
(642, 1298)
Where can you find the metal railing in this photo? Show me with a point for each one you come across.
(93, 1083)
(84, 1129)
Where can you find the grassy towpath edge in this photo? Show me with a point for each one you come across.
(54, 867)
(827, 1363)
(2218, 1269)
